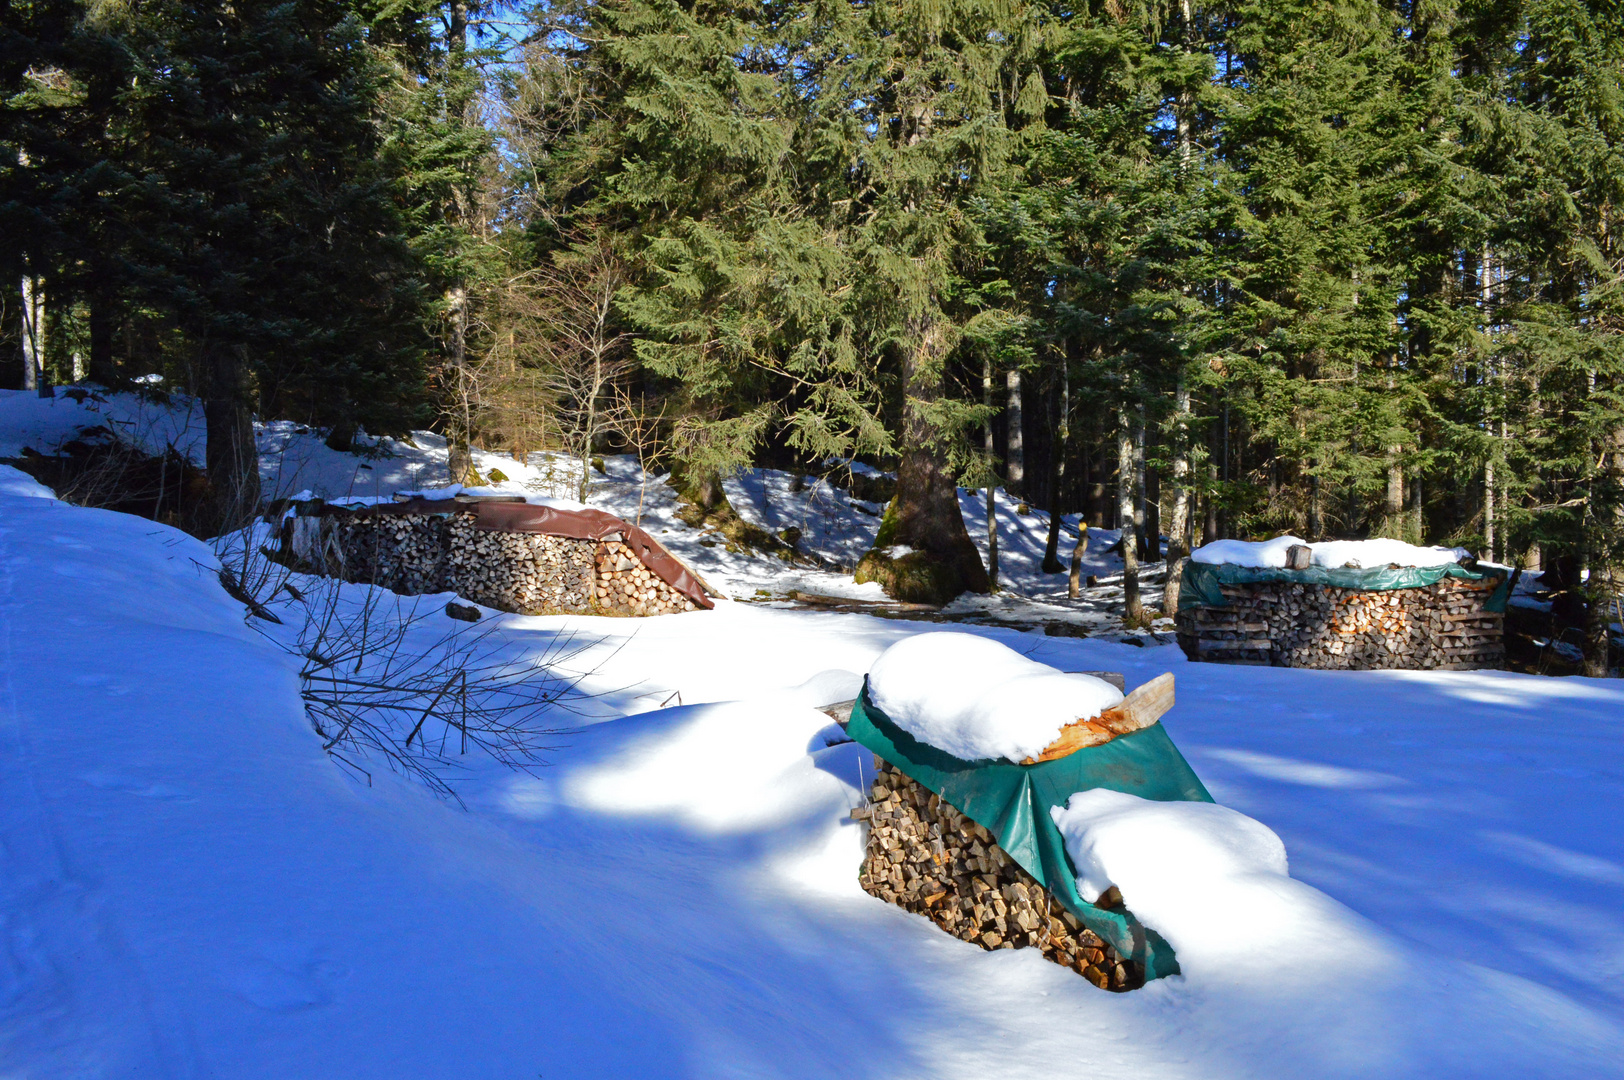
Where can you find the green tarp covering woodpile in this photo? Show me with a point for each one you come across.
(1202, 583)
(1013, 802)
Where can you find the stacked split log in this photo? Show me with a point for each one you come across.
(624, 585)
(1288, 624)
(407, 554)
(525, 572)
(927, 858)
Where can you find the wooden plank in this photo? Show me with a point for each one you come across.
(838, 711)
(1137, 711)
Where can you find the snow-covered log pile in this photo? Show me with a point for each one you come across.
(449, 551)
(1311, 624)
(927, 858)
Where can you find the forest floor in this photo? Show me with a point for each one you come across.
(190, 887)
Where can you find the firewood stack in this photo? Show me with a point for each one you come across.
(406, 554)
(927, 858)
(1316, 626)
(624, 585)
(529, 573)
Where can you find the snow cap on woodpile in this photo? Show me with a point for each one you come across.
(1216, 884)
(1331, 554)
(977, 699)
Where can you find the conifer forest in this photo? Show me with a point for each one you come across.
(1198, 270)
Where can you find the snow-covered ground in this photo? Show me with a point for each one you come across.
(189, 887)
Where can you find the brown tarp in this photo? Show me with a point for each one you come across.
(505, 516)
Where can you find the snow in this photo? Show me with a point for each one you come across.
(978, 699)
(16, 483)
(1180, 847)
(1333, 554)
(291, 456)
(189, 887)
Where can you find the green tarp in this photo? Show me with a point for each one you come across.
(1013, 803)
(1200, 585)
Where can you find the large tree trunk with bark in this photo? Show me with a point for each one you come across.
(923, 552)
(232, 460)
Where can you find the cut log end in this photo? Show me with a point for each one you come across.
(1139, 710)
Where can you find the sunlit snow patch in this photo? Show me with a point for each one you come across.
(1332, 554)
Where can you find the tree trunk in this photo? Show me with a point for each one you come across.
(1074, 579)
(1177, 551)
(1132, 613)
(33, 333)
(1209, 528)
(1316, 514)
(1485, 283)
(925, 515)
(1015, 483)
(1393, 505)
(1600, 596)
(1418, 518)
(992, 483)
(1147, 543)
(459, 425)
(232, 460)
(1057, 474)
(102, 368)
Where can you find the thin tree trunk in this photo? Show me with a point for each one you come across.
(231, 458)
(1132, 613)
(1485, 281)
(1016, 482)
(1140, 512)
(1057, 474)
(1177, 552)
(1074, 579)
(1600, 593)
(33, 332)
(1209, 528)
(1418, 518)
(992, 483)
(102, 369)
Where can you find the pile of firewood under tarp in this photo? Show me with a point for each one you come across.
(972, 844)
(1446, 615)
(1284, 624)
(506, 555)
(926, 857)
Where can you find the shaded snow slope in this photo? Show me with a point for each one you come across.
(190, 888)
